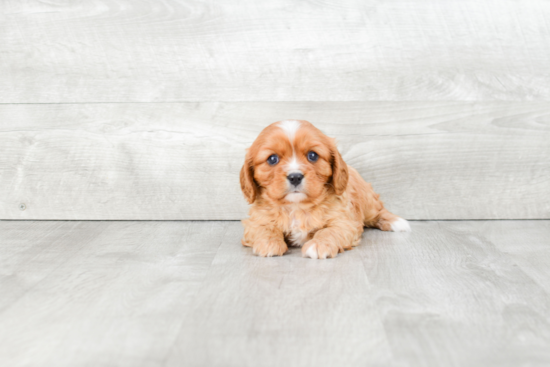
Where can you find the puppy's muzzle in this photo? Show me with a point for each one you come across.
(295, 179)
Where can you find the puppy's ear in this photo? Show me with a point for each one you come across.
(339, 170)
(248, 185)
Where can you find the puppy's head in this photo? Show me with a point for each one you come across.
(292, 161)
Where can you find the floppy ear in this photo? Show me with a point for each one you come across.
(248, 185)
(339, 170)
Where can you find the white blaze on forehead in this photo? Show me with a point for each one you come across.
(293, 165)
(290, 127)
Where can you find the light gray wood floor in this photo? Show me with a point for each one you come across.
(465, 293)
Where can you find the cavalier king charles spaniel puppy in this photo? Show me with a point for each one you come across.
(304, 194)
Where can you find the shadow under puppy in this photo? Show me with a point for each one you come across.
(304, 194)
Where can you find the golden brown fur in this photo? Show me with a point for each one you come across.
(332, 206)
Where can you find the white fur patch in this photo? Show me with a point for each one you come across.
(290, 127)
(293, 166)
(400, 225)
(297, 237)
(312, 251)
(295, 197)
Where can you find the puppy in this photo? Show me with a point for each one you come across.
(304, 194)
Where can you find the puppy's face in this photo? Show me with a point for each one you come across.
(292, 161)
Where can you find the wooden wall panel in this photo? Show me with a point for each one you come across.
(141, 109)
(281, 50)
(429, 160)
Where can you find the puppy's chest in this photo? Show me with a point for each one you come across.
(298, 230)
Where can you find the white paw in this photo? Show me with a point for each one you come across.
(319, 250)
(400, 225)
(269, 248)
(312, 251)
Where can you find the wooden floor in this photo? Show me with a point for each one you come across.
(464, 293)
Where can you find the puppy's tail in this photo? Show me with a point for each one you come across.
(390, 222)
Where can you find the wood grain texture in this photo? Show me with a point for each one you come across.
(428, 160)
(98, 293)
(334, 50)
(468, 293)
(457, 295)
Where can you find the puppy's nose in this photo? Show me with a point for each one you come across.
(295, 178)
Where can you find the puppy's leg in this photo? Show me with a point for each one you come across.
(387, 221)
(369, 206)
(265, 241)
(329, 241)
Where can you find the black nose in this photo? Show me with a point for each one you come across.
(295, 178)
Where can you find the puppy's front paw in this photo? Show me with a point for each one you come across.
(319, 249)
(269, 248)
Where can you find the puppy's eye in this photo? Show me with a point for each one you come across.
(273, 159)
(312, 157)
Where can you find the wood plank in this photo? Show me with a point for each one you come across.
(183, 50)
(187, 293)
(527, 243)
(288, 311)
(440, 296)
(25, 262)
(428, 160)
(450, 296)
(107, 293)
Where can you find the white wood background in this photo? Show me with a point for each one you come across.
(135, 109)
(443, 160)
(275, 50)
